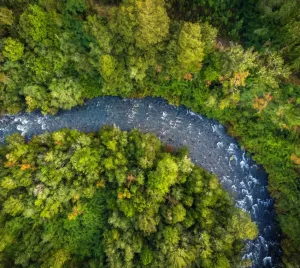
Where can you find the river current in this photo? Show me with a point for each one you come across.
(209, 145)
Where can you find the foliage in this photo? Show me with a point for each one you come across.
(112, 198)
(6, 16)
(37, 27)
(190, 54)
(13, 49)
(144, 22)
(264, 24)
(55, 54)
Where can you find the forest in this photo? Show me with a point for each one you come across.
(113, 199)
(235, 61)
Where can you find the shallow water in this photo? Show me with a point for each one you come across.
(210, 147)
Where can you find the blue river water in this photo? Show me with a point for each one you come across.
(209, 145)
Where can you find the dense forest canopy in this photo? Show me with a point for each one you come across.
(113, 199)
(55, 54)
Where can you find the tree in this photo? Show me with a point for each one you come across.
(83, 212)
(13, 49)
(6, 16)
(163, 177)
(209, 34)
(180, 258)
(65, 94)
(36, 97)
(153, 23)
(191, 47)
(144, 23)
(107, 67)
(74, 7)
(186, 53)
(103, 37)
(37, 27)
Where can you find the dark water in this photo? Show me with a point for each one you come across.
(209, 145)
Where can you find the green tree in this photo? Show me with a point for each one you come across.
(186, 53)
(153, 23)
(6, 16)
(128, 214)
(37, 27)
(13, 49)
(36, 97)
(78, 6)
(65, 94)
(191, 47)
(144, 23)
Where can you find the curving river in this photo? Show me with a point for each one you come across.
(210, 147)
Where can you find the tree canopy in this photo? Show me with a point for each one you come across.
(116, 199)
(234, 60)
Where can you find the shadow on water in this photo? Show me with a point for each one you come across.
(210, 147)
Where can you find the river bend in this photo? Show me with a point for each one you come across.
(210, 147)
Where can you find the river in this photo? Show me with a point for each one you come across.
(210, 147)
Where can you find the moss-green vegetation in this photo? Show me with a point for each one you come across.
(57, 53)
(115, 198)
